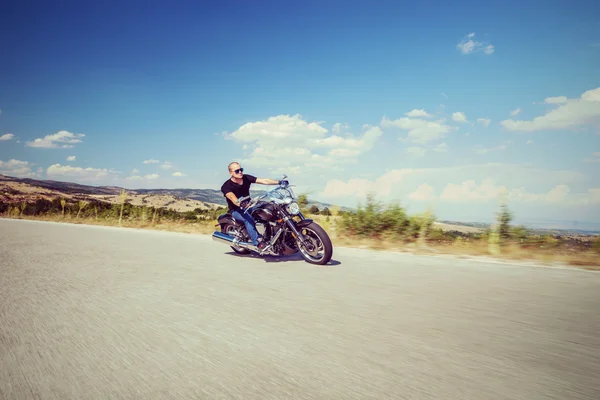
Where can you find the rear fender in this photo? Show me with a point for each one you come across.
(226, 219)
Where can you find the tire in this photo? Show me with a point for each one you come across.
(225, 228)
(311, 230)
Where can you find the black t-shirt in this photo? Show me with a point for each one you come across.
(239, 190)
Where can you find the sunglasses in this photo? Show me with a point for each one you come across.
(237, 171)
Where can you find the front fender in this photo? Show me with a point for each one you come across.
(303, 223)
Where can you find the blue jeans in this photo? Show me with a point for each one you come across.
(248, 221)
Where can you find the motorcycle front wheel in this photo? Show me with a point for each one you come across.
(318, 249)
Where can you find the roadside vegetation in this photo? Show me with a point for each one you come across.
(373, 225)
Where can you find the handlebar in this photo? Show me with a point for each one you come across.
(247, 202)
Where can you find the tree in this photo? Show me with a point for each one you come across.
(82, 204)
(504, 219)
(501, 229)
(122, 197)
(303, 202)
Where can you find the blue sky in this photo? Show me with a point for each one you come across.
(410, 101)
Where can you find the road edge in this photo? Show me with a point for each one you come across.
(204, 236)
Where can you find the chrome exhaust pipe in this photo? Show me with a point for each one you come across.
(231, 241)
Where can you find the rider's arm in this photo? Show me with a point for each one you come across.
(233, 198)
(266, 181)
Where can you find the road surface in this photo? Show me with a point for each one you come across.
(98, 313)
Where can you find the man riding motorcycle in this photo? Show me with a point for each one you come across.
(238, 186)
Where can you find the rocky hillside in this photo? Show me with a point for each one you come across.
(14, 190)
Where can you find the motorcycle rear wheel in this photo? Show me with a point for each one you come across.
(230, 229)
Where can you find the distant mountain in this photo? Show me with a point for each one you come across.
(482, 225)
(536, 228)
(64, 187)
(210, 196)
(206, 195)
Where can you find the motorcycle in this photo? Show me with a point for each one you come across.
(279, 220)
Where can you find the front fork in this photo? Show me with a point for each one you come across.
(292, 226)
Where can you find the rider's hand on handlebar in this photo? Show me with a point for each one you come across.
(244, 202)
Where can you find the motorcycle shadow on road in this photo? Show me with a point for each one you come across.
(280, 259)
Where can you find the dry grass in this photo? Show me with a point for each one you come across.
(589, 260)
(203, 227)
(157, 201)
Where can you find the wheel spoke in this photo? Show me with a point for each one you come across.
(317, 243)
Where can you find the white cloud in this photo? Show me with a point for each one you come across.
(468, 45)
(179, 174)
(418, 113)
(149, 177)
(423, 193)
(591, 197)
(484, 150)
(382, 186)
(441, 148)
(273, 129)
(290, 142)
(167, 165)
(71, 158)
(394, 183)
(556, 100)
(594, 159)
(459, 117)
(7, 136)
(559, 194)
(90, 174)
(489, 49)
(515, 112)
(471, 191)
(416, 151)
(488, 190)
(484, 121)
(151, 161)
(17, 168)
(569, 114)
(61, 139)
(337, 127)
(529, 141)
(419, 130)
(135, 171)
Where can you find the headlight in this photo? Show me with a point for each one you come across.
(293, 208)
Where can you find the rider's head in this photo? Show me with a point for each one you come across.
(235, 170)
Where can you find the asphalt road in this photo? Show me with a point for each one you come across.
(106, 313)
